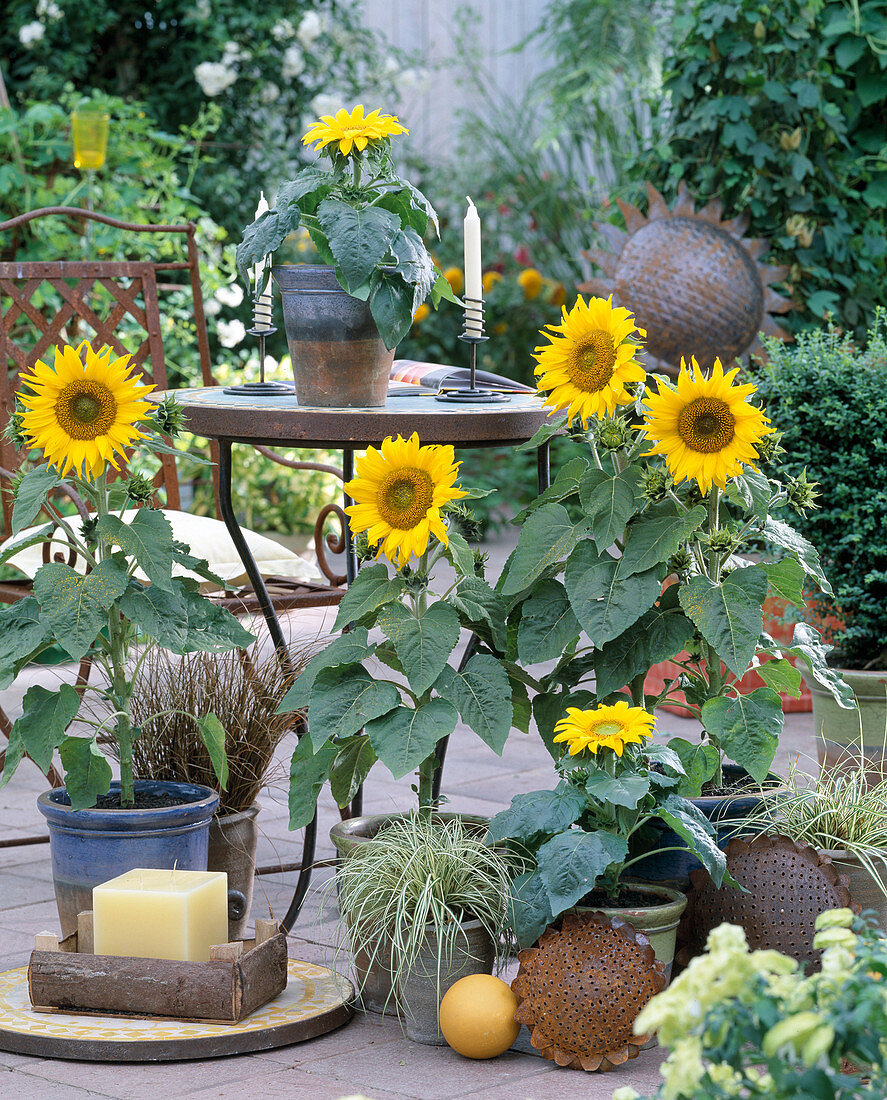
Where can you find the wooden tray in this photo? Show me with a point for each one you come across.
(239, 978)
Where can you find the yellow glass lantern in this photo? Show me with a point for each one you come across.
(90, 127)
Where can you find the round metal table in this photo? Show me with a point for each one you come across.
(279, 420)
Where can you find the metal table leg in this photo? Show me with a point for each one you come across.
(309, 841)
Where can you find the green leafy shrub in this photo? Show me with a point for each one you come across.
(778, 109)
(263, 65)
(826, 395)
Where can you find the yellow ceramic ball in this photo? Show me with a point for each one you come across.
(477, 1016)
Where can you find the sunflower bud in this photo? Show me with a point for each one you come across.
(139, 489)
(13, 431)
(722, 540)
(657, 483)
(613, 433)
(769, 448)
(88, 529)
(680, 561)
(169, 418)
(361, 546)
(801, 493)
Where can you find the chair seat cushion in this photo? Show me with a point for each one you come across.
(208, 538)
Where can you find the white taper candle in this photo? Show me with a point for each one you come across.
(474, 287)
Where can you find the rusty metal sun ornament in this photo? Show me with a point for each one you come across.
(692, 280)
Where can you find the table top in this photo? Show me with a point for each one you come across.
(280, 419)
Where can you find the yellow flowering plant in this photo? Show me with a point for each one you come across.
(395, 699)
(364, 220)
(575, 843)
(647, 548)
(745, 1024)
(87, 417)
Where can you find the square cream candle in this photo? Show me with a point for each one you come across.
(161, 914)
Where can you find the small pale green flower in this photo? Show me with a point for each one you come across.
(834, 937)
(834, 918)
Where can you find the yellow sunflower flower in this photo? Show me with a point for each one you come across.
(352, 130)
(604, 728)
(706, 429)
(83, 411)
(399, 491)
(590, 360)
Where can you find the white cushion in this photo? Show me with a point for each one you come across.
(208, 538)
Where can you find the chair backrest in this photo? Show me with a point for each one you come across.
(50, 303)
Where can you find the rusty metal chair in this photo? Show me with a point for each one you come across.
(48, 303)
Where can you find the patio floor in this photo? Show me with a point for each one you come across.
(369, 1056)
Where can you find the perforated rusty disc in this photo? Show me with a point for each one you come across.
(788, 886)
(581, 988)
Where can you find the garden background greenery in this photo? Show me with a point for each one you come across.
(778, 107)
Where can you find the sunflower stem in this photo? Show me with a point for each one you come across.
(426, 786)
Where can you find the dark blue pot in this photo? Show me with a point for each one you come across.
(726, 812)
(89, 847)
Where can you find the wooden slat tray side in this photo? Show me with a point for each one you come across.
(218, 991)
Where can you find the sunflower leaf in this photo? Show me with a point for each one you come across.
(182, 619)
(23, 634)
(391, 304)
(371, 588)
(30, 495)
(76, 606)
(343, 701)
(605, 601)
(87, 772)
(347, 649)
(422, 642)
(359, 239)
(547, 624)
(786, 578)
(30, 538)
(309, 771)
(658, 635)
(350, 767)
(481, 693)
(571, 863)
(405, 737)
(728, 615)
(789, 539)
(538, 812)
(547, 537)
(41, 727)
(610, 505)
(653, 540)
(529, 909)
(147, 538)
(746, 728)
(483, 608)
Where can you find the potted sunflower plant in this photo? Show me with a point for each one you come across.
(423, 900)
(84, 417)
(642, 551)
(572, 843)
(345, 316)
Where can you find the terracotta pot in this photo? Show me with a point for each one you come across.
(867, 891)
(658, 921)
(232, 849)
(374, 971)
(339, 359)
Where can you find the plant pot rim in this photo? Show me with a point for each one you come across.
(673, 896)
(202, 805)
(232, 817)
(843, 854)
(355, 828)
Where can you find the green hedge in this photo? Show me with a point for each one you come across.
(828, 396)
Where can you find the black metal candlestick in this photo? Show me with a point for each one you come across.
(473, 334)
(262, 328)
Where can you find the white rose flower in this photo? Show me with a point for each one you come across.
(203, 9)
(211, 307)
(49, 9)
(214, 77)
(230, 295)
(326, 103)
(283, 30)
(31, 33)
(270, 93)
(311, 27)
(230, 333)
(232, 53)
(293, 62)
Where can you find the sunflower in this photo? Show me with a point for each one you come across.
(399, 491)
(604, 728)
(84, 409)
(706, 428)
(352, 130)
(590, 360)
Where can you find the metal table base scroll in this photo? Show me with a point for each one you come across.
(315, 1001)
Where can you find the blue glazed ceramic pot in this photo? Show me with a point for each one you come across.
(89, 847)
(726, 812)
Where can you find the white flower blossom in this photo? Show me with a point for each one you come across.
(232, 53)
(203, 9)
(31, 33)
(410, 82)
(270, 93)
(293, 62)
(311, 27)
(230, 333)
(230, 295)
(49, 9)
(283, 30)
(214, 77)
(326, 103)
(211, 307)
